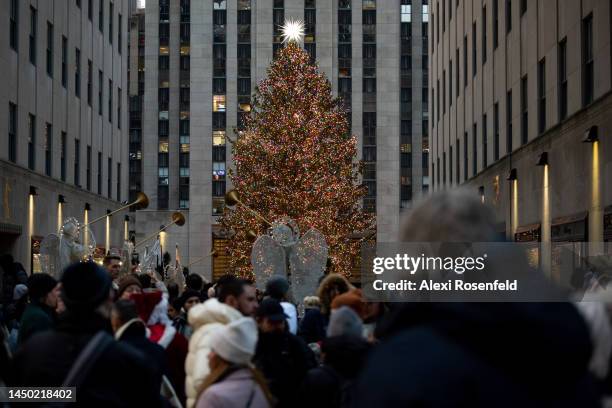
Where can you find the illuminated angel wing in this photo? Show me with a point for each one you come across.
(307, 261)
(268, 259)
(50, 257)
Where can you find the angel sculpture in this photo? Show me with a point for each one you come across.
(71, 244)
(283, 252)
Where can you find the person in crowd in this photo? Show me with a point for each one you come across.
(40, 314)
(503, 354)
(369, 312)
(232, 381)
(112, 264)
(9, 278)
(343, 355)
(237, 293)
(204, 318)
(152, 309)
(115, 373)
(173, 290)
(146, 281)
(179, 319)
(312, 325)
(13, 313)
(190, 298)
(281, 356)
(194, 281)
(128, 285)
(128, 328)
(277, 287)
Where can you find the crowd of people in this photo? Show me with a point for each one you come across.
(135, 340)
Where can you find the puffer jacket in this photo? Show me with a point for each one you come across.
(204, 318)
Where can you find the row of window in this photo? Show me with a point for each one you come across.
(541, 103)
(48, 143)
(33, 33)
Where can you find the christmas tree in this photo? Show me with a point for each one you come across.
(295, 158)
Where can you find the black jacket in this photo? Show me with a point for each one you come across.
(284, 359)
(121, 377)
(480, 355)
(313, 325)
(331, 384)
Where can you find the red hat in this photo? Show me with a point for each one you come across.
(145, 303)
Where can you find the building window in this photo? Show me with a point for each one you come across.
(49, 49)
(32, 142)
(563, 79)
(101, 16)
(48, 143)
(587, 60)
(12, 133)
(89, 9)
(33, 24)
(524, 111)
(14, 25)
(523, 6)
(110, 100)
(457, 172)
(88, 169)
(118, 196)
(77, 73)
(89, 81)
(118, 108)
(508, 16)
(63, 156)
(474, 67)
(495, 24)
(111, 17)
(457, 82)
(100, 91)
(485, 161)
(509, 122)
(64, 61)
(450, 83)
(496, 132)
(465, 63)
(119, 33)
(77, 162)
(99, 178)
(109, 179)
(484, 35)
(541, 96)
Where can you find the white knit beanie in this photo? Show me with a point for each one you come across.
(236, 341)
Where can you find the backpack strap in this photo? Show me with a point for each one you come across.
(87, 358)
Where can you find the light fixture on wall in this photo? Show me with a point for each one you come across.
(33, 191)
(87, 207)
(61, 199)
(481, 193)
(543, 160)
(512, 175)
(591, 135)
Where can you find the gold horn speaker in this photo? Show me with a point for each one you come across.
(251, 235)
(141, 202)
(177, 218)
(232, 198)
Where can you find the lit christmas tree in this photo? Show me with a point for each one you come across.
(295, 158)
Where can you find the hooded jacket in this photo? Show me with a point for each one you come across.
(480, 355)
(204, 318)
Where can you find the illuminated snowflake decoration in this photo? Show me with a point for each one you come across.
(293, 31)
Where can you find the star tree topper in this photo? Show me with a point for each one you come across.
(293, 31)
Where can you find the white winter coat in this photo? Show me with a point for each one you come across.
(204, 318)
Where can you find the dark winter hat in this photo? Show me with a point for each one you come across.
(39, 284)
(277, 287)
(127, 281)
(271, 309)
(85, 285)
(189, 293)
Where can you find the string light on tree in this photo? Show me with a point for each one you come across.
(293, 31)
(295, 158)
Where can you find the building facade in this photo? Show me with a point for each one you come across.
(63, 117)
(202, 62)
(521, 113)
